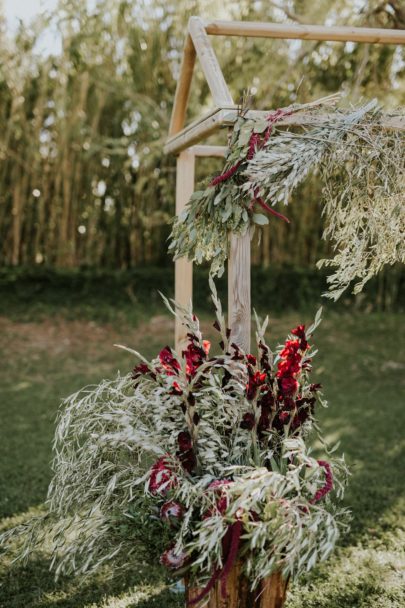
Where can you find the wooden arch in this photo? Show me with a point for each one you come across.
(182, 139)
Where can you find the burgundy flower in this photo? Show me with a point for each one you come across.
(173, 560)
(256, 379)
(194, 356)
(251, 359)
(328, 482)
(288, 385)
(176, 390)
(169, 363)
(248, 421)
(186, 453)
(315, 387)
(171, 510)
(299, 331)
(142, 370)
(222, 502)
(184, 441)
(161, 478)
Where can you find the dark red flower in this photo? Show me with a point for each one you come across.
(315, 387)
(161, 478)
(221, 503)
(173, 560)
(184, 441)
(251, 359)
(176, 390)
(248, 421)
(194, 356)
(288, 385)
(256, 379)
(169, 363)
(171, 510)
(328, 482)
(142, 370)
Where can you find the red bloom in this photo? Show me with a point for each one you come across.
(186, 453)
(176, 390)
(184, 441)
(256, 379)
(170, 364)
(299, 331)
(194, 356)
(171, 510)
(206, 346)
(221, 504)
(248, 421)
(161, 478)
(288, 385)
(173, 560)
(328, 482)
(142, 370)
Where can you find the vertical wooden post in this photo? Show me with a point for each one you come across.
(239, 300)
(183, 269)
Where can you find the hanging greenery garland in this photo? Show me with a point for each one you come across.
(362, 166)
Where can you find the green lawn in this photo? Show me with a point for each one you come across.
(47, 356)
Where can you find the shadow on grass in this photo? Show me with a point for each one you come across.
(33, 586)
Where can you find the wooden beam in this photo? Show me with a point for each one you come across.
(227, 116)
(239, 306)
(183, 269)
(183, 87)
(216, 151)
(196, 131)
(304, 32)
(209, 62)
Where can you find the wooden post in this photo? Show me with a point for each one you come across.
(183, 269)
(239, 301)
(271, 593)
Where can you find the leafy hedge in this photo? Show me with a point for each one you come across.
(274, 289)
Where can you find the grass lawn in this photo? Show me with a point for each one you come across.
(49, 355)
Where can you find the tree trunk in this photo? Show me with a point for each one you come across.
(270, 594)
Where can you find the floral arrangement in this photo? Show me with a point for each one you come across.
(362, 167)
(203, 457)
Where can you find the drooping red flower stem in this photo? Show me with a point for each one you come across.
(256, 142)
(230, 549)
(328, 482)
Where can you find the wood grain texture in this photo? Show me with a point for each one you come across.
(209, 62)
(183, 87)
(305, 32)
(183, 269)
(239, 301)
(270, 594)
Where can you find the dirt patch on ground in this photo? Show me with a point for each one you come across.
(57, 336)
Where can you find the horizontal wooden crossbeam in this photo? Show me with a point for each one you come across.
(227, 116)
(255, 29)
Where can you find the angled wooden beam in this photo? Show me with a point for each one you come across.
(183, 87)
(209, 62)
(255, 29)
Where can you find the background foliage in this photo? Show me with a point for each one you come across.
(83, 181)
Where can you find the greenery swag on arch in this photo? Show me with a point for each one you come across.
(362, 168)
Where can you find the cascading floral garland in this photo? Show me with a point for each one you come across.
(363, 170)
(203, 457)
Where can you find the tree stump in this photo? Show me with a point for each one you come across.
(270, 594)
